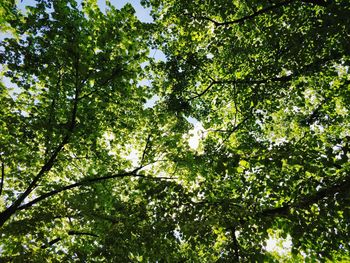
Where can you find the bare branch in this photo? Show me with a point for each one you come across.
(257, 13)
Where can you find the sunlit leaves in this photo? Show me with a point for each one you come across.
(266, 87)
(90, 172)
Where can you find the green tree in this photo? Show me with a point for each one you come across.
(66, 129)
(89, 173)
(269, 82)
(7, 12)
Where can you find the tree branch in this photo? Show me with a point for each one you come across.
(311, 67)
(204, 91)
(257, 13)
(52, 112)
(235, 243)
(315, 113)
(216, 23)
(306, 201)
(6, 214)
(235, 129)
(87, 182)
(2, 176)
(106, 81)
(243, 81)
(71, 233)
(145, 149)
(245, 18)
(78, 184)
(52, 242)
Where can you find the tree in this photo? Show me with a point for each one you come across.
(7, 11)
(67, 125)
(269, 82)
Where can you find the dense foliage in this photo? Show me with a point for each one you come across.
(90, 172)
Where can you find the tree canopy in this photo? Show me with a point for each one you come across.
(91, 172)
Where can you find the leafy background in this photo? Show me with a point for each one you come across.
(200, 135)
